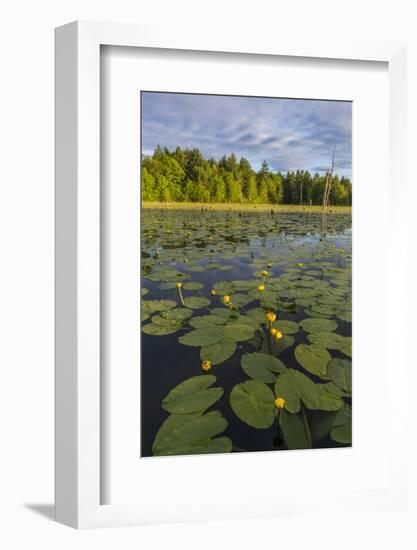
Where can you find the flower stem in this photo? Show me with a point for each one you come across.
(182, 299)
(306, 426)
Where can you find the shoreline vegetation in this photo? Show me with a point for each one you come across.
(245, 207)
(186, 176)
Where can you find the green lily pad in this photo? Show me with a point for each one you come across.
(203, 336)
(241, 300)
(340, 371)
(158, 305)
(207, 321)
(237, 331)
(262, 367)
(279, 346)
(219, 352)
(287, 327)
(164, 322)
(196, 302)
(160, 330)
(295, 432)
(193, 286)
(192, 434)
(178, 314)
(192, 395)
(345, 316)
(318, 325)
(294, 386)
(330, 340)
(321, 422)
(313, 358)
(342, 430)
(223, 287)
(253, 403)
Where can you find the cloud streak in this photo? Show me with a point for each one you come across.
(290, 134)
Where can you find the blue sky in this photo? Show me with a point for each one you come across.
(289, 134)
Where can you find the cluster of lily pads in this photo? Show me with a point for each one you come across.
(295, 302)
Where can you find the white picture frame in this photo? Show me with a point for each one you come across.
(78, 405)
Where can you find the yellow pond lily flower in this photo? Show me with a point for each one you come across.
(273, 331)
(279, 402)
(269, 266)
(213, 292)
(300, 265)
(206, 365)
(261, 288)
(271, 316)
(179, 285)
(265, 273)
(278, 335)
(226, 299)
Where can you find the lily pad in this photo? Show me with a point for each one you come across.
(219, 352)
(340, 371)
(318, 325)
(192, 395)
(178, 314)
(192, 434)
(160, 330)
(241, 300)
(193, 286)
(237, 331)
(313, 358)
(207, 321)
(294, 430)
(196, 302)
(158, 305)
(262, 367)
(294, 386)
(203, 336)
(253, 403)
(330, 340)
(342, 430)
(287, 327)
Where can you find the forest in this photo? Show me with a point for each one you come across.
(184, 175)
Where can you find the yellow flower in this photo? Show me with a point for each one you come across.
(206, 365)
(273, 331)
(179, 285)
(279, 402)
(265, 273)
(269, 265)
(261, 288)
(300, 265)
(213, 292)
(226, 299)
(278, 335)
(271, 316)
(341, 251)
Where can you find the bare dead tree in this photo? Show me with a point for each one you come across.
(328, 184)
(326, 194)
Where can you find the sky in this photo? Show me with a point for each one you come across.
(290, 134)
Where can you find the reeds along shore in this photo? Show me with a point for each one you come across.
(238, 207)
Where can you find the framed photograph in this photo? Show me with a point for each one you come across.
(224, 337)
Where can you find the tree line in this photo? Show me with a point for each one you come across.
(184, 175)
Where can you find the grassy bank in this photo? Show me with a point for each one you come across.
(283, 208)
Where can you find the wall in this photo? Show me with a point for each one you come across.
(26, 287)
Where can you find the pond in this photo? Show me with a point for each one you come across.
(246, 331)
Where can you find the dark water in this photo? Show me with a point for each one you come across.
(178, 235)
